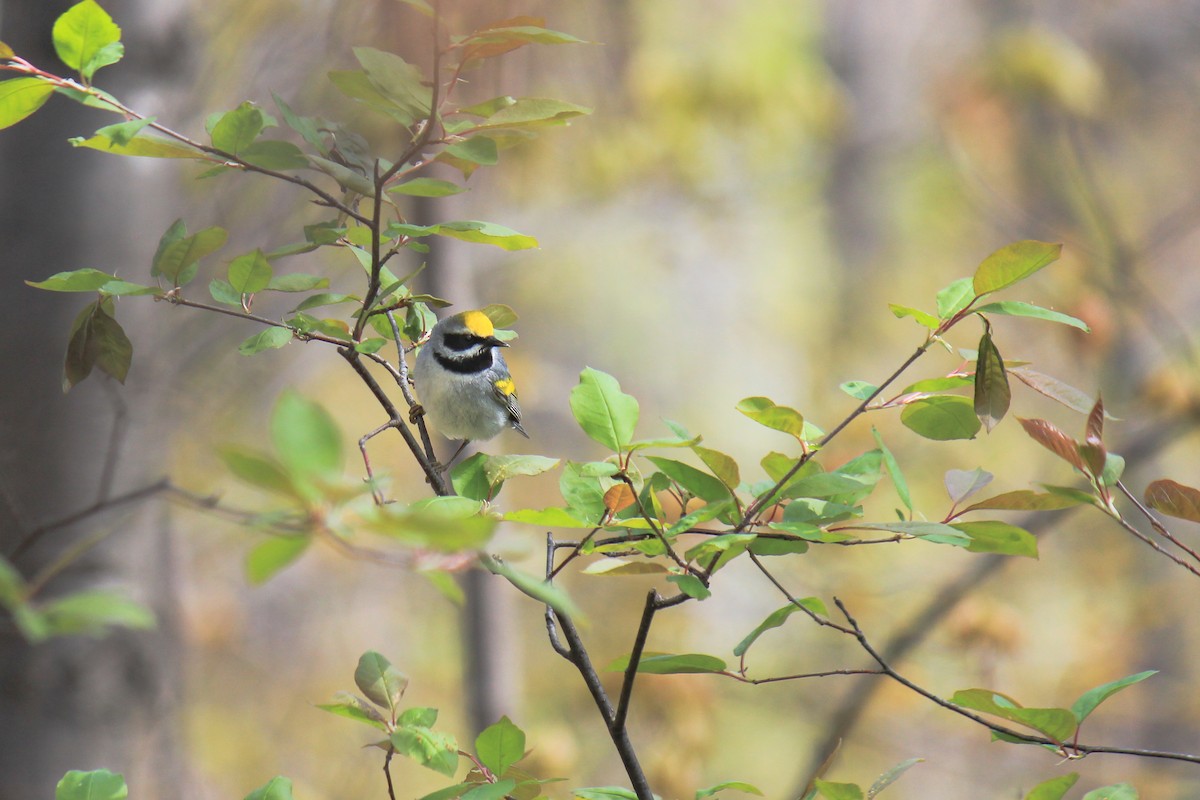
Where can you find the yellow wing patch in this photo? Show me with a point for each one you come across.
(478, 323)
(506, 387)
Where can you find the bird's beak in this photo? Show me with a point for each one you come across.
(494, 342)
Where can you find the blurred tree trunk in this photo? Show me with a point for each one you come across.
(77, 702)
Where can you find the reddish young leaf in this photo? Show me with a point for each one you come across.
(1174, 499)
(618, 497)
(1054, 440)
(1094, 433)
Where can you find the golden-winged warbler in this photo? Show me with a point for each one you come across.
(464, 384)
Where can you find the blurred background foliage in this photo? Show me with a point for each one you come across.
(757, 181)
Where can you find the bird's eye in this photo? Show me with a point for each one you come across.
(459, 341)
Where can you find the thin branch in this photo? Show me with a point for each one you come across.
(1124, 523)
(116, 436)
(815, 617)
(756, 507)
(32, 538)
(436, 480)
(801, 676)
(387, 771)
(635, 658)
(1074, 749)
(376, 492)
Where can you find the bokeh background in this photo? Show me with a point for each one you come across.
(758, 180)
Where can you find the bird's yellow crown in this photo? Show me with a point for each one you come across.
(478, 323)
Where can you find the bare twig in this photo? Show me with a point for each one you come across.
(635, 658)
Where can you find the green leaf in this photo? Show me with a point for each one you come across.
(942, 418)
(426, 187)
(998, 537)
(777, 618)
(478, 150)
(1015, 308)
(893, 468)
(782, 546)
(144, 146)
(80, 280)
(696, 482)
(322, 299)
(97, 340)
(838, 791)
(120, 288)
(257, 470)
(20, 97)
(398, 81)
(1117, 791)
(355, 708)
(272, 555)
(765, 412)
(1088, 701)
(274, 155)
(306, 438)
(178, 253)
(992, 394)
(936, 532)
(86, 38)
(1053, 789)
(603, 411)
(1013, 263)
(501, 468)
(278, 788)
(722, 466)
(433, 749)
(890, 776)
(469, 478)
(922, 318)
(250, 273)
(603, 793)
(373, 345)
(703, 514)
(502, 38)
(671, 664)
(1057, 724)
(444, 524)
(236, 130)
(346, 177)
(1024, 500)
(99, 784)
(93, 612)
(501, 745)
(859, 390)
(307, 127)
(717, 551)
(691, 586)
(491, 791)
(548, 518)
(296, 282)
(737, 786)
(827, 484)
(961, 484)
(271, 338)
(954, 298)
(381, 682)
(534, 111)
(123, 132)
(485, 233)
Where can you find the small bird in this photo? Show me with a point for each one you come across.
(464, 384)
